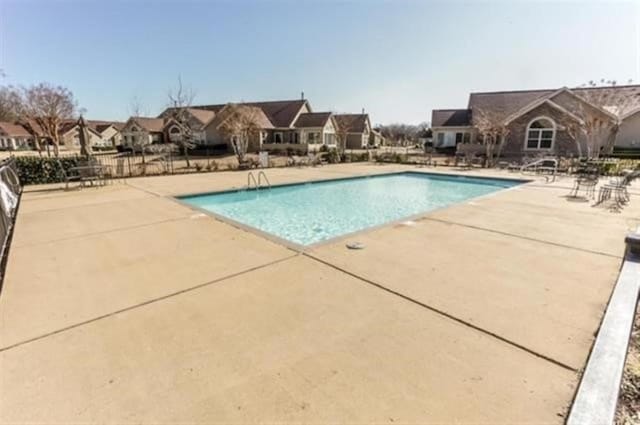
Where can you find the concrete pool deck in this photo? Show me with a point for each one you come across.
(122, 305)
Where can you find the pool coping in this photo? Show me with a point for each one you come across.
(299, 248)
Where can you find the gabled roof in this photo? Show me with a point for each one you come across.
(281, 113)
(203, 116)
(507, 104)
(631, 113)
(153, 125)
(450, 118)
(100, 125)
(226, 112)
(13, 130)
(67, 126)
(312, 119)
(352, 123)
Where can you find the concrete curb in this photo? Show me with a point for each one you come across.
(597, 396)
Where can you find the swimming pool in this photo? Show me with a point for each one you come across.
(309, 213)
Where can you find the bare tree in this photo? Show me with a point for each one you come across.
(596, 121)
(11, 107)
(48, 106)
(400, 133)
(180, 100)
(139, 141)
(241, 125)
(493, 132)
(343, 128)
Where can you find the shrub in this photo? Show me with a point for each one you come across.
(332, 156)
(41, 170)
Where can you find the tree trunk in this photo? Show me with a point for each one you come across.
(185, 152)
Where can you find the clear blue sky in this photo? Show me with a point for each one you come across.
(397, 59)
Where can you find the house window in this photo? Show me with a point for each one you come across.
(466, 139)
(277, 138)
(313, 138)
(541, 133)
(459, 138)
(329, 139)
(440, 139)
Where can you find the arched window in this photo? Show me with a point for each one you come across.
(541, 133)
(174, 130)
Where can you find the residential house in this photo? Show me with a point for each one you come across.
(537, 120)
(142, 131)
(284, 125)
(629, 132)
(196, 119)
(278, 129)
(70, 135)
(376, 139)
(218, 137)
(316, 129)
(15, 136)
(109, 132)
(356, 128)
(451, 127)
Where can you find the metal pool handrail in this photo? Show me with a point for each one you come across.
(251, 177)
(257, 183)
(260, 175)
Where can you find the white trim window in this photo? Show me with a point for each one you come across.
(541, 134)
(313, 137)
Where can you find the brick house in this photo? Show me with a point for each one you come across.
(537, 120)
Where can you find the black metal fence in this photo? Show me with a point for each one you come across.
(10, 194)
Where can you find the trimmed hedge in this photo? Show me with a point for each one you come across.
(41, 170)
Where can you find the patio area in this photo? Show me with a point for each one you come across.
(122, 305)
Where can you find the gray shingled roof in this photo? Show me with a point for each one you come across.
(353, 123)
(150, 124)
(281, 113)
(506, 103)
(450, 117)
(312, 119)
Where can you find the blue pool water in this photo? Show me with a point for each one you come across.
(312, 212)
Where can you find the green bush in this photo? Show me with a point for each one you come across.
(41, 170)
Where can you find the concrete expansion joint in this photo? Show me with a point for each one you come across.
(88, 235)
(446, 315)
(145, 303)
(542, 241)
